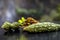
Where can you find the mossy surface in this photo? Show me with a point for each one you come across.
(42, 27)
(10, 26)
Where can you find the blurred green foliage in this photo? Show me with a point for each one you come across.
(54, 14)
(58, 8)
(30, 12)
(45, 18)
(57, 17)
(21, 10)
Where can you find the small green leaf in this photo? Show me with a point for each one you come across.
(20, 21)
(23, 19)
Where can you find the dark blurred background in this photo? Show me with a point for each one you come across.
(45, 10)
(42, 10)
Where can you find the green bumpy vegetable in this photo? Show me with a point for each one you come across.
(42, 27)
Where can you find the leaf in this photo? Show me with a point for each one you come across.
(20, 21)
(23, 19)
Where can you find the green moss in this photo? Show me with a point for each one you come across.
(9, 26)
(6, 25)
(15, 25)
(41, 27)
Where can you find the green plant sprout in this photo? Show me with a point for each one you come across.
(21, 21)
